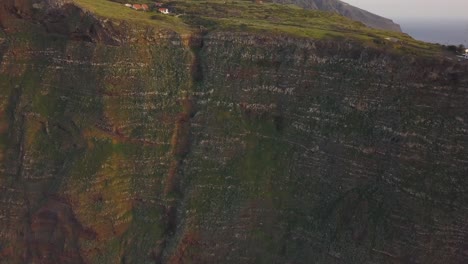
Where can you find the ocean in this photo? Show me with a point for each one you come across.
(446, 32)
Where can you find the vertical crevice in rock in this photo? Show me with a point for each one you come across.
(180, 147)
(17, 122)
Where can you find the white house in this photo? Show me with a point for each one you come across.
(128, 5)
(164, 10)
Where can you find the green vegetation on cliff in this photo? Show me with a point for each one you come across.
(267, 18)
(106, 8)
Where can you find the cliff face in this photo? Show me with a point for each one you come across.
(146, 146)
(347, 10)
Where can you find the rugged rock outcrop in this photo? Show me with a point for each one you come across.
(347, 10)
(229, 147)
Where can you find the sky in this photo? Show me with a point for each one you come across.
(415, 9)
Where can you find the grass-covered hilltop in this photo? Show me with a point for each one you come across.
(249, 16)
(226, 132)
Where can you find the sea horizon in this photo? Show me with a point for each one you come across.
(435, 30)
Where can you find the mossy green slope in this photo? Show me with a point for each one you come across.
(94, 123)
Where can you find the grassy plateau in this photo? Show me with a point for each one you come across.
(194, 16)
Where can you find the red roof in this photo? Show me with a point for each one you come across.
(137, 6)
(145, 6)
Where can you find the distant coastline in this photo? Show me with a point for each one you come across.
(445, 32)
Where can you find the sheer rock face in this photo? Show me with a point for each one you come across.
(347, 10)
(226, 148)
